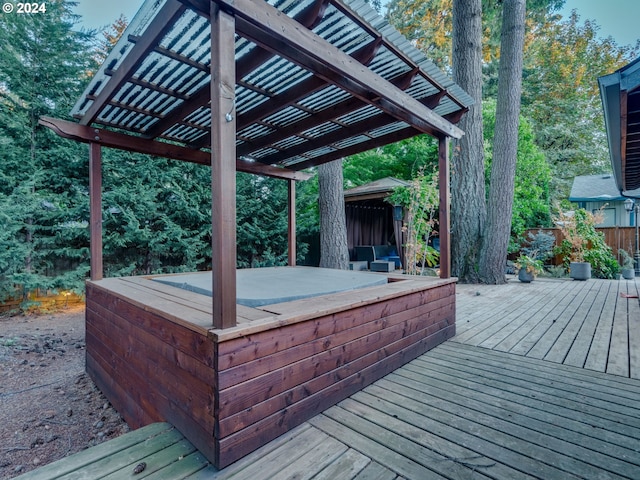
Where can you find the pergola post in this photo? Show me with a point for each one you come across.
(95, 210)
(444, 211)
(223, 168)
(292, 223)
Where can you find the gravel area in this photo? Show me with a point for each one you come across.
(49, 407)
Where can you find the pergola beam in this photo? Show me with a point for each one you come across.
(258, 56)
(161, 24)
(266, 26)
(444, 217)
(347, 131)
(95, 211)
(121, 141)
(343, 108)
(312, 84)
(357, 148)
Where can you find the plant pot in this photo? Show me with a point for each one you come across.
(524, 276)
(628, 273)
(580, 270)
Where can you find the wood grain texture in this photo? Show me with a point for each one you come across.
(148, 351)
(592, 325)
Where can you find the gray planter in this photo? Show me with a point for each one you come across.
(628, 273)
(580, 270)
(524, 276)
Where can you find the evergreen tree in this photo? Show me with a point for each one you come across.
(262, 221)
(44, 63)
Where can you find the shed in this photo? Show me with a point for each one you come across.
(272, 88)
(370, 217)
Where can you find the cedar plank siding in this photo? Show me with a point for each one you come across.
(143, 362)
(232, 394)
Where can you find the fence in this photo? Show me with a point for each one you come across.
(616, 237)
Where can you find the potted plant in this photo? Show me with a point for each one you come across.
(575, 227)
(628, 272)
(528, 267)
(583, 248)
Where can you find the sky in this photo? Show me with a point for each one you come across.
(617, 18)
(623, 27)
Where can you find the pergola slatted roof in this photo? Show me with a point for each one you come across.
(292, 110)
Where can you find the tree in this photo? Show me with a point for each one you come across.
(531, 200)
(505, 145)
(561, 97)
(403, 160)
(110, 37)
(262, 221)
(43, 184)
(468, 210)
(334, 251)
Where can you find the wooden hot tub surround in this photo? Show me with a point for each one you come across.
(152, 352)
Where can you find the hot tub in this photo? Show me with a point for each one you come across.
(269, 285)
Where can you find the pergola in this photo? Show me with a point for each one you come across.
(267, 87)
(272, 88)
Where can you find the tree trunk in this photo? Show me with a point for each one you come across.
(505, 145)
(468, 210)
(334, 251)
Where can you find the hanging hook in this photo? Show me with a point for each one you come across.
(229, 115)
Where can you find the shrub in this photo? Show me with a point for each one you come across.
(582, 243)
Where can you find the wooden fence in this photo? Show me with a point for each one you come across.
(616, 237)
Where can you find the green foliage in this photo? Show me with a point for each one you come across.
(401, 160)
(529, 264)
(39, 173)
(421, 200)
(533, 176)
(262, 221)
(539, 245)
(583, 243)
(560, 95)
(156, 215)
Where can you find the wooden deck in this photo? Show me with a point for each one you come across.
(583, 324)
(456, 412)
(466, 409)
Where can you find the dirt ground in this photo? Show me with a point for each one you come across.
(49, 407)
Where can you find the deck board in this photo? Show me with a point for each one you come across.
(457, 412)
(534, 388)
(583, 324)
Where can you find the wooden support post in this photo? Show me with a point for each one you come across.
(223, 168)
(444, 212)
(292, 223)
(95, 210)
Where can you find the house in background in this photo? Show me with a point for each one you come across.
(592, 192)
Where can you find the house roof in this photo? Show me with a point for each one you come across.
(376, 189)
(621, 102)
(596, 188)
(315, 80)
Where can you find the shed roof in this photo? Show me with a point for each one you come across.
(293, 108)
(621, 102)
(376, 189)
